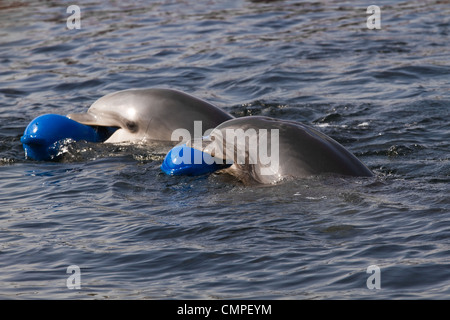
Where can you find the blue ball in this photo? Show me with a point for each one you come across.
(184, 160)
(45, 135)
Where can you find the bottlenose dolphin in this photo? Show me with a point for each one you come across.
(149, 114)
(267, 150)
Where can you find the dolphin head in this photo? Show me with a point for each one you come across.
(266, 150)
(126, 110)
(150, 114)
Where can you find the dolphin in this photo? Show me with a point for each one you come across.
(265, 150)
(149, 114)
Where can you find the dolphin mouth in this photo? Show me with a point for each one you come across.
(212, 147)
(84, 118)
(90, 119)
(104, 132)
(104, 127)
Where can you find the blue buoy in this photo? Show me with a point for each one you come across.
(184, 160)
(45, 135)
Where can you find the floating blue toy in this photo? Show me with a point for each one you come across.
(45, 135)
(184, 160)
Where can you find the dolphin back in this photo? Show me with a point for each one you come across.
(152, 113)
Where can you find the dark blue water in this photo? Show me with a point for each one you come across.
(138, 234)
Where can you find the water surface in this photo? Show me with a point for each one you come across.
(138, 234)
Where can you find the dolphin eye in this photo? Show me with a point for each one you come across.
(132, 126)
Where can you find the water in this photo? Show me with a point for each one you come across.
(138, 234)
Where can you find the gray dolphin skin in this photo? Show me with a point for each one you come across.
(292, 150)
(150, 114)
